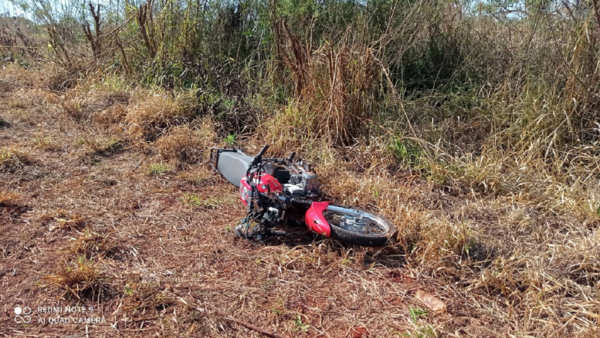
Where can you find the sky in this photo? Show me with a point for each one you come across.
(10, 8)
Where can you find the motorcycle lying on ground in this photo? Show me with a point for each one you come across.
(279, 190)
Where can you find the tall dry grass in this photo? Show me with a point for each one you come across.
(334, 92)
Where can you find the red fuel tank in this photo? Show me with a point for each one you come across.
(265, 184)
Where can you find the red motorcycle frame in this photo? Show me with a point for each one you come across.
(278, 190)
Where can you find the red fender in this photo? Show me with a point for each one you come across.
(315, 221)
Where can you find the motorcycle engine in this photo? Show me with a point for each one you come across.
(303, 184)
(298, 179)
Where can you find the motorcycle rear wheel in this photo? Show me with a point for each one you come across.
(376, 232)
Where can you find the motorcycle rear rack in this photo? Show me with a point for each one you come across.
(214, 156)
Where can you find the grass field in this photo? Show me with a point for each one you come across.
(106, 203)
(471, 125)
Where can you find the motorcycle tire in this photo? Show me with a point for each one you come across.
(377, 233)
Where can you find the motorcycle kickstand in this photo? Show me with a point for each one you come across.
(276, 232)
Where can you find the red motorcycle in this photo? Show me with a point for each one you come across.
(281, 190)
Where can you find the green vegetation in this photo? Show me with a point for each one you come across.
(415, 313)
(444, 75)
(198, 201)
(159, 168)
(300, 326)
(473, 106)
(406, 151)
(231, 140)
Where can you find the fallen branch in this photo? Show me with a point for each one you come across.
(244, 324)
(248, 325)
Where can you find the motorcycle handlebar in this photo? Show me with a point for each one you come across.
(262, 151)
(256, 159)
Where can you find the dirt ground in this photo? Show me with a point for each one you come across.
(154, 254)
(90, 219)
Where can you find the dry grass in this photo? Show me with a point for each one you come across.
(92, 245)
(152, 114)
(187, 144)
(43, 141)
(98, 106)
(27, 97)
(510, 234)
(13, 159)
(509, 228)
(111, 115)
(155, 254)
(100, 145)
(60, 80)
(14, 76)
(61, 219)
(81, 279)
(9, 198)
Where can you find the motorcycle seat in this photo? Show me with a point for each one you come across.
(233, 166)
